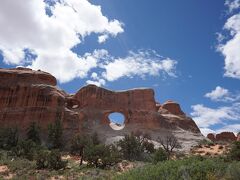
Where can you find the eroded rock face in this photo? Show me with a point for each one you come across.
(211, 136)
(223, 136)
(172, 107)
(27, 95)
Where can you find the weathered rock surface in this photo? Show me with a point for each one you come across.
(223, 136)
(172, 107)
(27, 95)
(238, 137)
(211, 136)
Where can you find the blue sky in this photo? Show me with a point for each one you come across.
(188, 52)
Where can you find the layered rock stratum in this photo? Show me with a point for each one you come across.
(27, 96)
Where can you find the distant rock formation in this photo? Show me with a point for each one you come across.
(27, 95)
(223, 136)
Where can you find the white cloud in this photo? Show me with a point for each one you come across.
(231, 49)
(140, 64)
(99, 82)
(221, 94)
(206, 131)
(235, 128)
(206, 117)
(25, 25)
(232, 4)
(217, 94)
(103, 38)
(15, 56)
(50, 29)
(96, 80)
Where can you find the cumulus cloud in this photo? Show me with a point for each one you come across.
(232, 5)
(221, 94)
(141, 64)
(96, 80)
(218, 94)
(230, 128)
(206, 117)
(231, 48)
(41, 34)
(51, 36)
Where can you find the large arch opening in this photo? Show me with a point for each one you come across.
(117, 120)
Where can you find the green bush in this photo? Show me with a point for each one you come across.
(159, 155)
(26, 149)
(55, 161)
(33, 133)
(102, 155)
(78, 145)
(189, 168)
(234, 152)
(148, 147)
(42, 159)
(8, 138)
(205, 142)
(55, 132)
(130, 147)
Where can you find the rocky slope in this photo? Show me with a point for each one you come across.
(27, 95)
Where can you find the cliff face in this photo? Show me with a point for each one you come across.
(27, 95)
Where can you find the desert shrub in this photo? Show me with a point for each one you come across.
(233, 171)
(8, 138)
(159, 155)
(55, 161)
(95, 139)
(33, 133)
(111, 156)
(220, 147)
(234, 152)
(42, 159)
(136, 146)
(148, 147)
(189, 168)
(102, 155)
(79, 144)
(130, 147)
(26, 149)
(206, 143)
(169, 143)
(55, 132)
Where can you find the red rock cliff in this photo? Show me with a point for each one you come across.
(27, 95)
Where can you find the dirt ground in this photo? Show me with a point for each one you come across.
(211, 150)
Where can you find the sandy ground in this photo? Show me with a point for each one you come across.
(4, 171)
(211, 150)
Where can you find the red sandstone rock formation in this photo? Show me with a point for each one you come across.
(172, 107)
(211, 136)
(27, 95)
(226, 136)
(223, 136)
